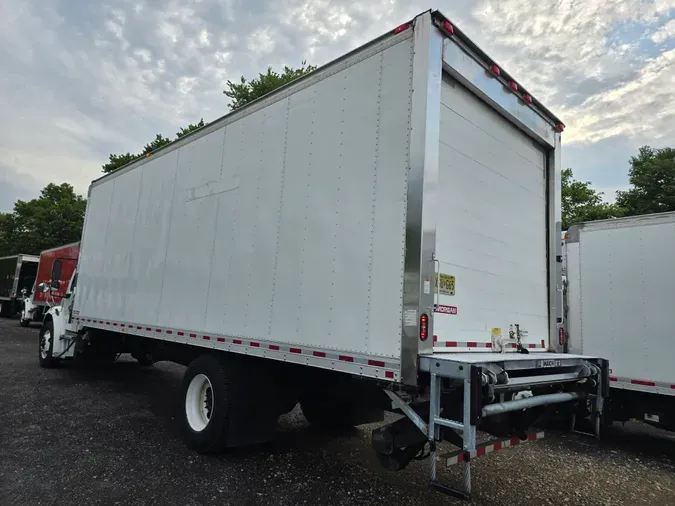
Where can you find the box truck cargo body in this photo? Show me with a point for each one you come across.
(17, 272)
(619, 299)
(55, 268)
(373, 232)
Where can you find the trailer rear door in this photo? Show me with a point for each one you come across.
(491, 228)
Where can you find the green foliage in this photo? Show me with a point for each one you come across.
(189, 129)
(7, 233)
(117, 161)
(159, 142)
(580, 202)
(652, 176)
(241, 93)
(245, 91)
(53, 219)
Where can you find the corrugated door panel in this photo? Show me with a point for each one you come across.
(491, 224)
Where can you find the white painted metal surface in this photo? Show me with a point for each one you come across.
(621, 307)
(199, 402)
(286, 225)
(307, 223)
(491, 224)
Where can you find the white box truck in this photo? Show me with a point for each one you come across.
(619, 298)
(381, 234)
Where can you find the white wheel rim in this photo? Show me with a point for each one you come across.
(199, 402)
(44, 343)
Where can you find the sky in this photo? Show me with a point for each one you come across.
(81, 80)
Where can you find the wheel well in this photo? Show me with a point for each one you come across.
(47, 318)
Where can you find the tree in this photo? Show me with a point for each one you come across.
(158, 142)
(580, 202)
(52, 219)
(245, 91)
(117, 161)
(7, 232)
(190, 128)
(652, 176)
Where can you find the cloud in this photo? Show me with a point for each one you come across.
(83, 80)
(664, 33)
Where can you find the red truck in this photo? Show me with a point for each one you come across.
(55, 268)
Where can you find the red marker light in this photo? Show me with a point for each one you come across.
(447, 26)
(495, 70)
(527, 98)
(561, 127)
(513, 86)
(561, 336)
(424, 327)
(401, 28)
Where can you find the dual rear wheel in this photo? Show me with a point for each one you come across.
(207, 404)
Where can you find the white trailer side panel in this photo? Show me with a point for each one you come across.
(491, 228)
(285, 225)
(627, 299)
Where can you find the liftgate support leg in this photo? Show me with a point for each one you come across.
(472, 390)
(469, 435)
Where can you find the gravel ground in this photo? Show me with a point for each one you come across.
(70, 436)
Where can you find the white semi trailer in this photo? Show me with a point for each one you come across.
(619, 298)
(381, 234)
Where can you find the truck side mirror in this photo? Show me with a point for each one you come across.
(43, 287)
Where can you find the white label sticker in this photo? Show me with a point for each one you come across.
(427, 286)
(410, 318)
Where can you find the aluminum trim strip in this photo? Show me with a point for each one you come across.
(422, 186)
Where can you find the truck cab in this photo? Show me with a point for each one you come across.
(58, 335)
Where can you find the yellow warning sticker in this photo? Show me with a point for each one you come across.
(447, 285)
(496, 332)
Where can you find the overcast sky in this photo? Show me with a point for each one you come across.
(79, 80)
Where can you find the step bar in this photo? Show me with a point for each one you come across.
(473, 373)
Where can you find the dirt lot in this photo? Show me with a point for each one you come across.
(70, 436)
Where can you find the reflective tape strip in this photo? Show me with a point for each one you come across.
(642, 384)
(377, 368)
(489, 447)
(474, 344)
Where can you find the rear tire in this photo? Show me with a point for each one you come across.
(46, 346)
(207, 404)
(24, 323)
